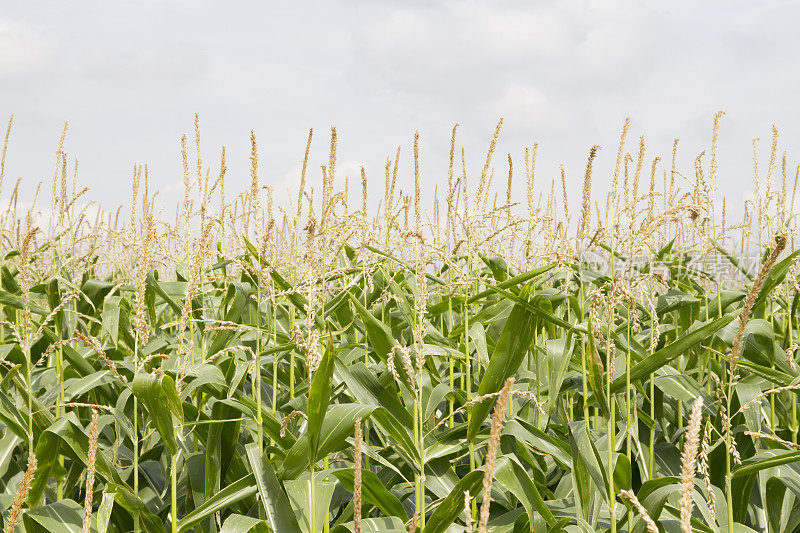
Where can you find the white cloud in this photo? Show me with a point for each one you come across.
(467, 46)
(24, 52)
(562, 73)
(146, 62)
(525, 103)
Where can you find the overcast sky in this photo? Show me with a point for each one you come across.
(129, 77)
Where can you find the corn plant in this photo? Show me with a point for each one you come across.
(313, 369)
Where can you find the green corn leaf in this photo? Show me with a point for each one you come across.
(273, 498)
(319, 396)
(64, 516)
(237, 523)
(104, 512)
(643, 369)
(224, 499)
(514, 341)
(158, 395)
(336, 427)
(510, 474)
(768, 459)
(373, 492)
(126, 499)
(66, 436)
(450, 507)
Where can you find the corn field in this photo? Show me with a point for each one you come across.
(485, 364)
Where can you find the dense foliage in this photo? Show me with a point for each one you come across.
(327, 376)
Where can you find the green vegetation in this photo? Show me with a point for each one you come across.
(322, 370)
